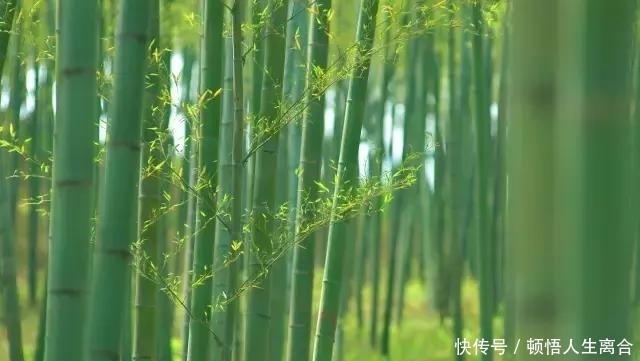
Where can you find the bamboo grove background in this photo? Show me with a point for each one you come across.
(292, 180)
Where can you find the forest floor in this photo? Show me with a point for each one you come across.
(420, 336)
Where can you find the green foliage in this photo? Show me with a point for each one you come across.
(348, 205)
(181, 19)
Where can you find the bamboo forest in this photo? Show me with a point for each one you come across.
(318, 180)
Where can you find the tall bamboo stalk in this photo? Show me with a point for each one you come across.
(73, 172)
(256, 339)
(210, 82)
(485, 251)
(151, 166)
(117, 222)
(346, 180)
(224, 260)
(309, 168)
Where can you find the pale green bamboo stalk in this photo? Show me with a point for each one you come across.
(534, 251)
(117, 222)
(189, 240)
(17, 90)
(309, 167)
(288, 162)
(378, 156)
(485, 251)
(8, 9)
(10, 300)
(604, 135)
(188, 199)
(151, 160)
(234, 327)
(211, 67)
(169, 222)
(224, 255)
(34, 190)
(257, 326)
(346, 180)
(73, 171)
(165, 306)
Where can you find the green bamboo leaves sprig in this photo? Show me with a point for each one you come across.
(350, 204)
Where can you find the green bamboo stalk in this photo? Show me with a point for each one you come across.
(278, 271)
(331, 145)
(295, 69)
(257, 22)
(10, 301)
(404, 265)
(333, 152)
(446, 209)
(361, 254)
(237, 15)
(190, 167)
(636, 116)
(397, 220)
(288, 161)
(347, 289)
(426, 203)
(485, 251)
(165, 314)
(126, 337)
(376, 158)
(168, 225)
(495, 264)
(190, 239)
(500, 196)
(346, 180)
(187, 198)
(309, 172)
(604, 135)
(8, 9)
(45, 113)
(98, 164)
(17, 92)
(439, 221)
(456, 163)
(257, 70)
(117, 225)
(223, 251)
(403, 220)
(467, 224)
(224, 263)
(210, 81)
(257, 327)
(421, 229)
(34, 192)
(38, 354)
(413, 150)
(72, 191)
(151, 161)
(531, 211)
(47, 91)
(378, 154)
